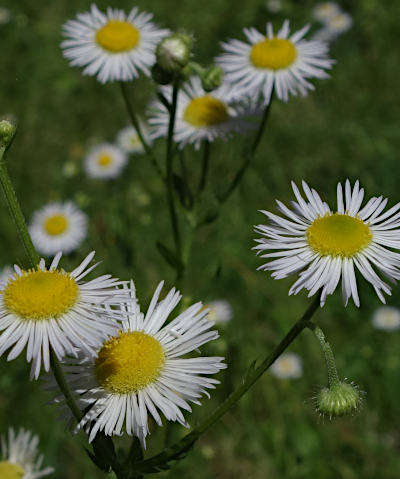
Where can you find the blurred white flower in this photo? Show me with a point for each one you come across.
(105, 161)
(220, 311)
(387, 318)
(287, 366)
(273, 6)
(325, 11)
(5, 16)
(129, 141)
(340, 23)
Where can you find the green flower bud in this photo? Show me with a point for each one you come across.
(7, 131)
(339, 399)
(212, 78)
(173, 52)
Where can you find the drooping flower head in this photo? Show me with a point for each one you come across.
(114, 46)
(43, 309)
(141, 370)
(58, 227)
(105, 161)
(199, 115)
(327, 246)
(280, 63)
(20, 458)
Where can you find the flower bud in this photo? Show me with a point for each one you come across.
(7, 131)
(173, 52)
(212, 78)
(339, 399)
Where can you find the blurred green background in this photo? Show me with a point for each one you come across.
(347, 128)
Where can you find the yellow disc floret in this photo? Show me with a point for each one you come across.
(129, 362)
(274, 54)
(55, 225)
(118, 36)
(8, 470)
(338, 235)
(104, 160)
(205, 111)
(39, 295)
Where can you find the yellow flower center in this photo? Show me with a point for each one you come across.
(205, 111)
(129, 362)
(118, 36)
(38, 295)
(55, 224)
(338, 235)
(274, 54)
(104, 160)
(8, 470)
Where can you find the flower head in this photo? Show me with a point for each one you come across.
(105, 161)
(173, 52)
(114, 45)
(200, 115)
(280, 62)
(325, 11)
(20, 458)
(50, 308)
(288, 366)
(220, 311)
(129, 141)
(141, 370)
(339, 399)
(58, 227)
(327, 246)
(386, 318)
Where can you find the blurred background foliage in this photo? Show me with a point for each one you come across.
(347, 128)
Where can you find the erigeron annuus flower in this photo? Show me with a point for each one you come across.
(199, 115)
(114, 46)
(20, 459)
(279, 63)
(386, 318)
(327, 246)
(105, 161)
(219, 311)
(141, 370)
(129, 141)
(58, 227)
(287, 366)
(43, 309)
(340, 23)
(325, 11)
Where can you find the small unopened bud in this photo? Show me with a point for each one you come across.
(7, 131)
(212, 78)
(339, 399)
(173, 52)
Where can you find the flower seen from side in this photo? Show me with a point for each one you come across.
(269, 62)
(144, 369)
(50, 309)
(386, 318)
(327, 247)
(20, 456)
(105, 161)
(200, 115)
(58, 227)
(287, 366)
(114, 46)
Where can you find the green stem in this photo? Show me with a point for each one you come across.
(250, 155)
(170, 173)
(16, 212)
(333, 377)
(152, 464)
(136, 125)
(205, 165)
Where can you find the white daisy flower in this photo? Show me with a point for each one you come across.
(114, 46)
(279, 63)
(323, 12)
(6, 273)
(20, 458)
(340, 23)
(58, 227)
(105, 161)
(273, 6)
(51, 308)
(386, 318)
(219, 311)
(199, 115)
(328, 245)
(287, 366)
(141, 370)
(129, 141)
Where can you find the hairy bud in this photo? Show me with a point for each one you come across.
(173, 52)
(339, 399)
